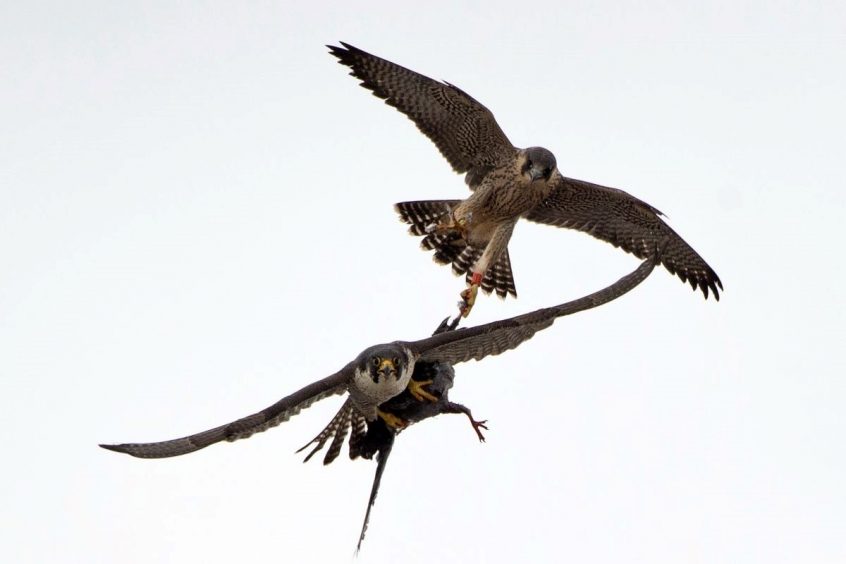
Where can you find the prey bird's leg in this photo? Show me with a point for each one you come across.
(452, 407)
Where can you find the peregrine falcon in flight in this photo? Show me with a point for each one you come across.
(507, 183)
(384, 371)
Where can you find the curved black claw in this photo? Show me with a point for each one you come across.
(447, 325)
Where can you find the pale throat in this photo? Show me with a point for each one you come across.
(384, 389)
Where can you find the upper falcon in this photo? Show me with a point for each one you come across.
(508, 183)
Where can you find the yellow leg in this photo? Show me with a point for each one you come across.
(458, 227)
(390, 419)
(419, 392)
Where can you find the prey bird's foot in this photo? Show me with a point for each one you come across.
(391, 420)
(452, 407)
(468, 296)
(478, 425)
(416, 388)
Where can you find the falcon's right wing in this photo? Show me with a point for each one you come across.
(464, 130)
(626, 222)
(272, 416)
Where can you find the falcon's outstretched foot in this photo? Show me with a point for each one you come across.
(391, 420)
(455, 229)
(416, 389)
(468, 296)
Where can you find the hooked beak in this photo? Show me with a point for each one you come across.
(387, 368)
(535, 173)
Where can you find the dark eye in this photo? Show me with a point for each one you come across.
(547, 172)
(528, 163)
(396, 361)
(376, 361)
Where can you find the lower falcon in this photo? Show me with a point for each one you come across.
(383, 371)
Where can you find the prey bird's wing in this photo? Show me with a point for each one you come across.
(464, 130)
(497, 337)
(626, 222)
(272, 416)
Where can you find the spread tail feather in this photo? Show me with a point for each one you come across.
(450, 248)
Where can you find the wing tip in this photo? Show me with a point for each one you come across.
(344, 48)
(115, 448)
(709, 284)
(346, 54)
(700, 277)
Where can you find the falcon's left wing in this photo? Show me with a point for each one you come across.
(497, 337)
(272, 416)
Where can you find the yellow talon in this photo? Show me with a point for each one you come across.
(417, 390)
(455, 227)
(391, 420)
(468, 298)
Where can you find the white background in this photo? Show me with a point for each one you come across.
(195, 220)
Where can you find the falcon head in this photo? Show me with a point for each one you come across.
(381, 372)
(384, 364)
(537, 163)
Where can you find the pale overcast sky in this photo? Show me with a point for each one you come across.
(195, 220)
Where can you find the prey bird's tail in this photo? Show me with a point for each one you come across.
(425, 215)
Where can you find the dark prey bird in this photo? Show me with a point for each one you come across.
(507, 183)
(377, 438)
(384, 371)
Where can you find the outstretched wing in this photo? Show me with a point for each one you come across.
(464, 130)
(626, 222)
(272, 416)
(497, 337)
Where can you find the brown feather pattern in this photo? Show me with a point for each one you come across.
(468, 136)
(464, 130)
(626, 222)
